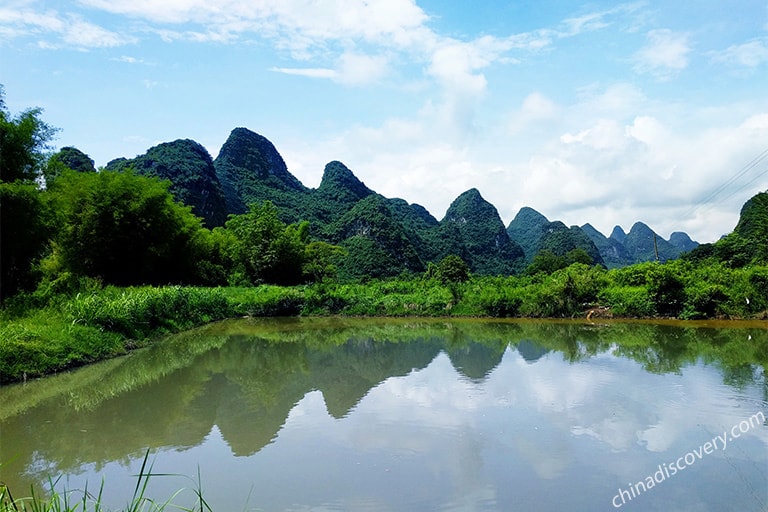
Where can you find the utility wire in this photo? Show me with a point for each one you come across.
(707, 200)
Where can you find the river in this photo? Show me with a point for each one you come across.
(335, 414)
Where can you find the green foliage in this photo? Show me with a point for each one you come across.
(365, 260)
(545, 262)
(704, 300)
(579, 255)
(628, 301)
(562, 241)
(633, 275)
(83, 500)
(526, 229)
(734, 250)
(140, 312)
(339, 190)
(265, 248)
(251, 170)
(102, 323)
(452, 269)
(488, 249)
(189, 168)
(66, 158)
(374, 239)
(24, 232)
(497, 297)
(666, 289)
(123, 229)
(746, 245)
(320, 261)
(753, 227)
(214, 256)
(566, 292)
(24, 141)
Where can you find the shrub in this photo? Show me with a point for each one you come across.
(703, 300)
(628, 301)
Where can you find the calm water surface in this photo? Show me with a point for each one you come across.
(372, 415)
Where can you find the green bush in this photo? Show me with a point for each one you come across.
(497, 298)
(140, 312)
(270, 300)
(628, 301)
(667, 289)
(567, 292)
(703, 300)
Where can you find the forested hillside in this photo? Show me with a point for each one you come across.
(174, 214)
(189, 168)
(91, 261)
(395, 235)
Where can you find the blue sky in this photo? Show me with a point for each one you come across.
(597, 112)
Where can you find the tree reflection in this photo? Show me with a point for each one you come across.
(246, 377)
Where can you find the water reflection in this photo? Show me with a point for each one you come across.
(412, 415)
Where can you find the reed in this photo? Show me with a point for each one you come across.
(87, 501)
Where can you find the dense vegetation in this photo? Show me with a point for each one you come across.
(71, 234)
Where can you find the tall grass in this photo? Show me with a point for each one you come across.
(138, 312)
(100, 324)
(85, 501)
(103, 322)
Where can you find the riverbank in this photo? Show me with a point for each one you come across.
(43, 335)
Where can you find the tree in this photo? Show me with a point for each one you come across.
(23, 227)
(546, 262)
(452, 269)
(320, 261)
(666, 289)
(122, 228)
(23, 143)
(267, 250)
(578, 255)
(67, 158)
(24, 236)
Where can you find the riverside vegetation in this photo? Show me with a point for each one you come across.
(95, 263)
(84, 500)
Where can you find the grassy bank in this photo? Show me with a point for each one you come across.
(49, 333)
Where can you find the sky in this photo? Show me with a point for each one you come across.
(600, 112)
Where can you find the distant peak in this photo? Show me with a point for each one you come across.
(640, 227)
(339, 180)
(590, 229)
(247, 153)
(529, 213)
(618, 234)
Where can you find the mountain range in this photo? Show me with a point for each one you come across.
(383, 236)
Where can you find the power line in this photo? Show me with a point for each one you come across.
(708, 200)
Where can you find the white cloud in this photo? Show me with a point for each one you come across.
(28, 20)
(612, 157)
(127, 59)
(83, 34)
(72, 29)
(304, 21)
(352, 69)
(664, 55)
(535, 109)
(750, 54)
(307, 72)
(359, 69)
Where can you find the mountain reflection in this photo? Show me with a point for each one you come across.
(245, 377)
